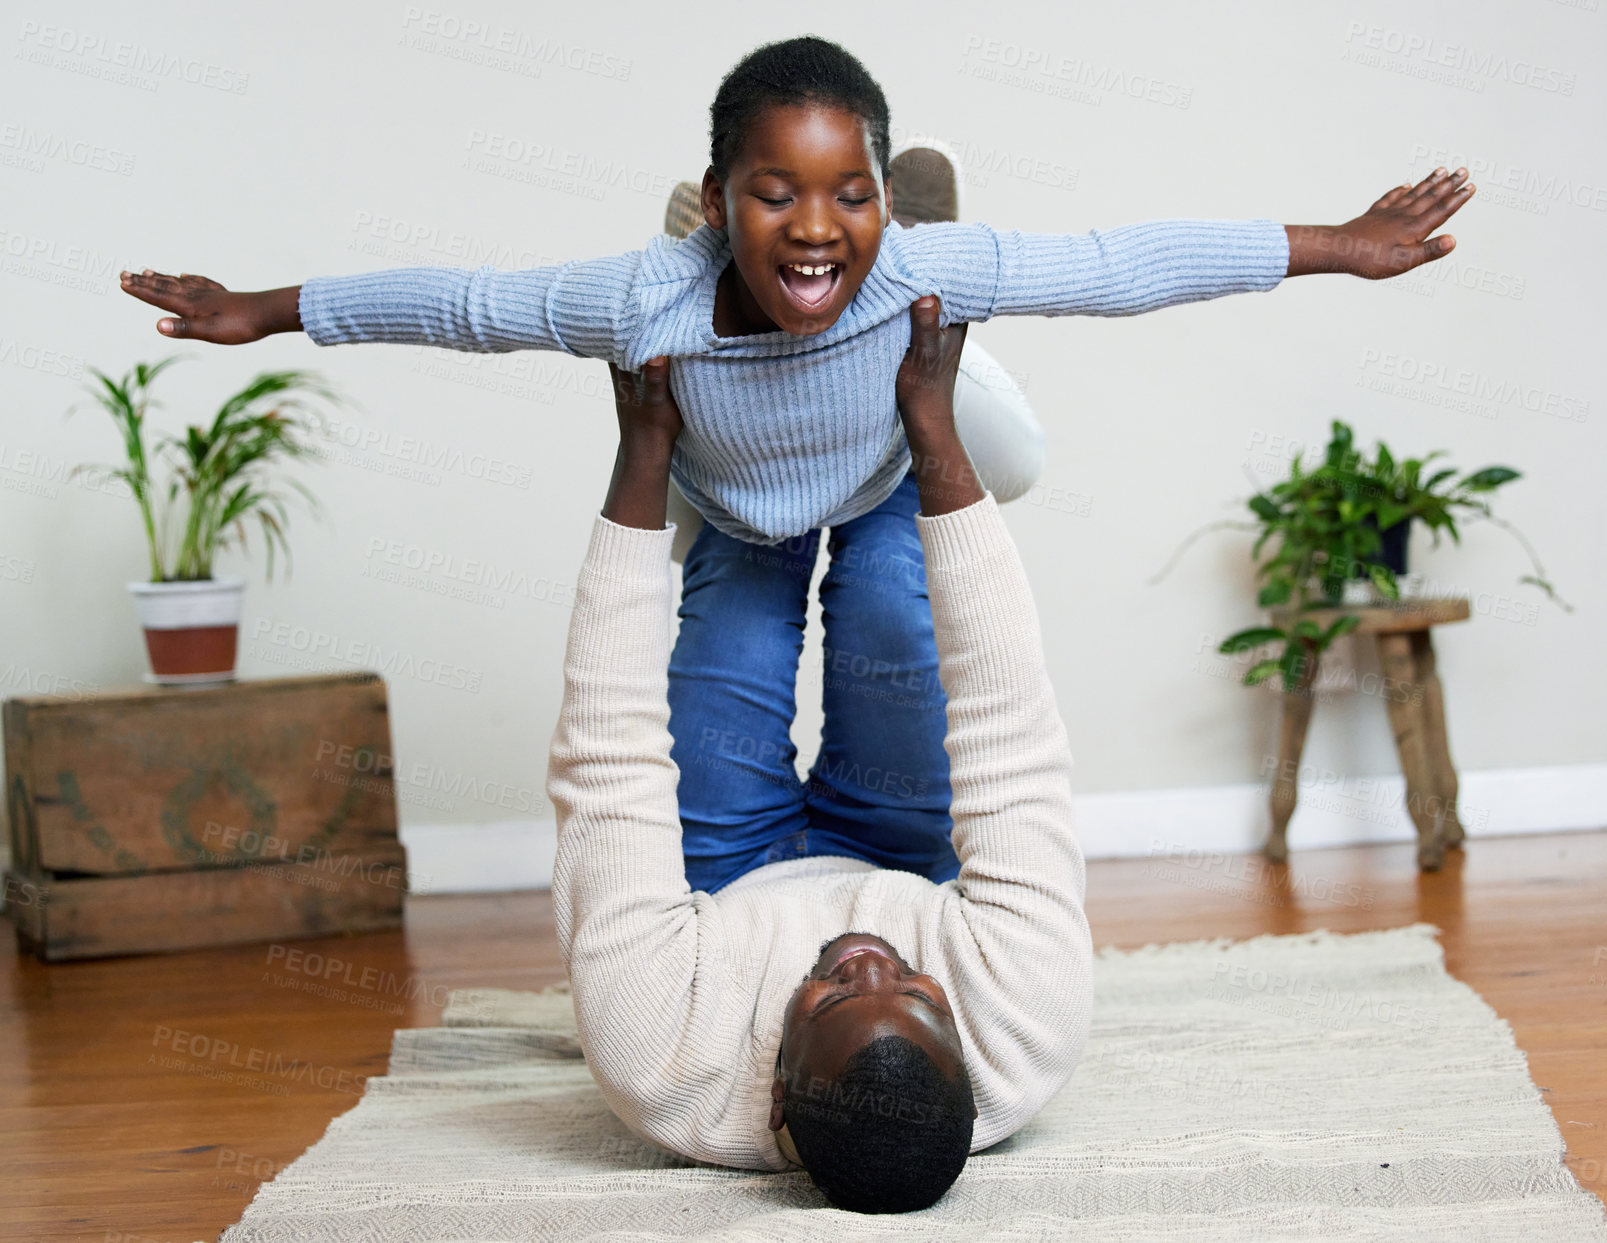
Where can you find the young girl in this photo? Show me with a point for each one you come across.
(785, 316)
(784, 319)
(1002, 436)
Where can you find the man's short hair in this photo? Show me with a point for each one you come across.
(889, 1135)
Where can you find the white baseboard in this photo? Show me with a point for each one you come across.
(518, 854)
(1335, 812)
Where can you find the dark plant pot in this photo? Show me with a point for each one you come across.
(1393, 550)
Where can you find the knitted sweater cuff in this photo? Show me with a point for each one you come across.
(629, 552)
(955, 540)
(312, 307)
(1266, 253)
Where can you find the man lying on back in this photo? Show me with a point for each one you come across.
(932, 1020)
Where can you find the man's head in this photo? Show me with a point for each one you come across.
(798, 162)
(871, 1084)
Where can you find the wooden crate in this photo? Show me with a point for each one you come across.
(161, 819)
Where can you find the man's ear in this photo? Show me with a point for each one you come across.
(713, 199)
(778, 1096)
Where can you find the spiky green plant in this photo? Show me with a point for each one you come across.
(223, 470)
(127, 400)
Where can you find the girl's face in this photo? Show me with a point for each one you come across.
(804, 209)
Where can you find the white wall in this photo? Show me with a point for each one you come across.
(354, 126)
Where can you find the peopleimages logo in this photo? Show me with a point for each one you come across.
(305, 647)
(29, 357)
(540, 162)
(426, 455)
(387, 236)
(453, 783)
(467, 38)
(1042, 69)
(28, 148)
(23, 678)
(977, 160)
(1423, 56)
(57, 263)
(1547, 186)
(131, 64)
(1434, 375)
(213, 1057)
(475, 579)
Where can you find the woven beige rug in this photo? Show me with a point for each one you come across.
(1300, 1087)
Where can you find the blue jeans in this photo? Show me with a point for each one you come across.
(879, 790)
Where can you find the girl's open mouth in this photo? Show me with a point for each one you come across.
(809, 286)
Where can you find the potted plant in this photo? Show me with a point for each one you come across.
(1332, 524)
(218, 479)
(1398, 493)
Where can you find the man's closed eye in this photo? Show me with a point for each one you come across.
(908, 992)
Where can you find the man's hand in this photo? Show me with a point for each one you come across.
(643, 401)
(925, 390)
(649, 422)
(204, 310)
(925, 386)
(1390, 237)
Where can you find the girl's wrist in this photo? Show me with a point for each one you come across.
(1315, 248)
(278, 310)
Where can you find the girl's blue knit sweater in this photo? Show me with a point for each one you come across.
(785, 433)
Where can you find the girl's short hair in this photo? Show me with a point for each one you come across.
(806, 70)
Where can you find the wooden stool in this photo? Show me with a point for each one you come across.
(1416, 714)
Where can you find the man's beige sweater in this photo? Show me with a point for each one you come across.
(679, 995)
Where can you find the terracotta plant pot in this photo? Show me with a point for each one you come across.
(191, 628)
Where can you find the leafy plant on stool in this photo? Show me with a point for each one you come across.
(1326, 526)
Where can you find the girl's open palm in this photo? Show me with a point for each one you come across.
(1392, 236)
(202, 309)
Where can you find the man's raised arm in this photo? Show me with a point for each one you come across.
(1027, 959)
(619, 869)
(1010, 765)
(627, 926)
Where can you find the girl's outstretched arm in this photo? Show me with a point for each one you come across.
(980, 272)
(203, 310)
(1390, 237)
(582, 308)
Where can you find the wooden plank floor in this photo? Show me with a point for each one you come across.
(146, 1098)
